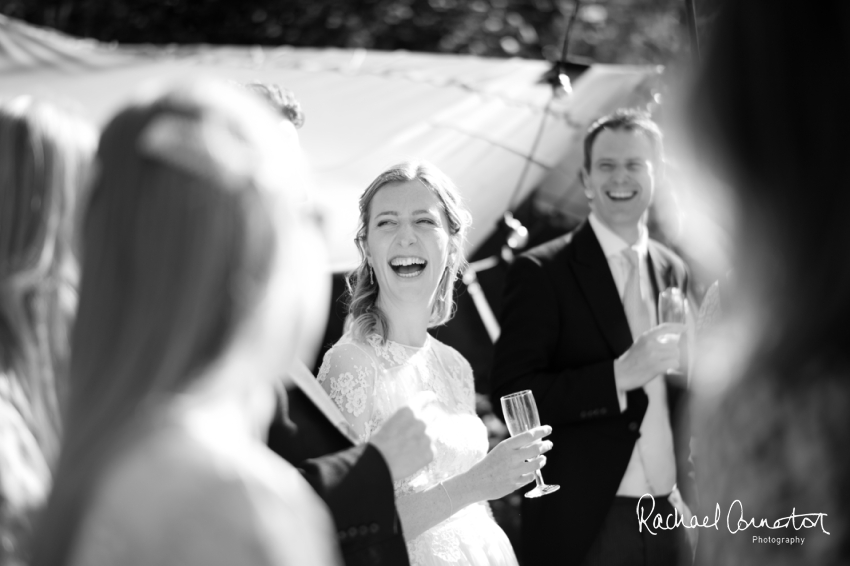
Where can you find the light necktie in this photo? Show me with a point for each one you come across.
(655, 444)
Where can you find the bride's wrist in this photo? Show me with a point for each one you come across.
(460, 491)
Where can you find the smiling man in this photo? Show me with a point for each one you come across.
(579, 329)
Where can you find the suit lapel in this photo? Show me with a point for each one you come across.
(593, 274)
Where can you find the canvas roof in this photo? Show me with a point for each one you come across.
(477, 119)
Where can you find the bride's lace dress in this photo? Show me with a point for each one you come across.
(370, 381)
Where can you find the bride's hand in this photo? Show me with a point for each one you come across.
(511, 464)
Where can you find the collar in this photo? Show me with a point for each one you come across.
(612, 244)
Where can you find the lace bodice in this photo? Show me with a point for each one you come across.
(370, 381)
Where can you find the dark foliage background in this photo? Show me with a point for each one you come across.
(605, 31)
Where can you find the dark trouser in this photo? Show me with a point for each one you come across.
(621, 543)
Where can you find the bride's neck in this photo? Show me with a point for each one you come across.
(408, 323)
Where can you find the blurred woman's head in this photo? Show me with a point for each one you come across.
(45, 154)
(769, 105)
(410, 237)
(179, 241)
(193, 254)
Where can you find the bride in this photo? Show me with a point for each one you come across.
(411, 233)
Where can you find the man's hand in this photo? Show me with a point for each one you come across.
(653, 353)
(402, 442)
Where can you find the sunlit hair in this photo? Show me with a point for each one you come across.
(366, 316)
(624, 120)
(281, 99)
(178, 242)
(45, 153)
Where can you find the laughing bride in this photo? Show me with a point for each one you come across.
(410, 238)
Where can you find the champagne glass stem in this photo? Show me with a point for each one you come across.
(538, 477)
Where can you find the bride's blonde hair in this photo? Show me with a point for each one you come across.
(366, 317)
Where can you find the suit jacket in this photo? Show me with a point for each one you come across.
(563, 325)
(354, 482)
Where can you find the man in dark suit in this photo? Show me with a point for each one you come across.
(356, 482)
(579, 330)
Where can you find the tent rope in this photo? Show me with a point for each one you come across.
(562, 62)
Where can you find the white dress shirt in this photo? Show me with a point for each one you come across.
(635, 482)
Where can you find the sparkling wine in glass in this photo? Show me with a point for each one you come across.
(521, 415)
(672, 307)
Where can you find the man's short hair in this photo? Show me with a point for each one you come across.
(628, 120)
(281, 99)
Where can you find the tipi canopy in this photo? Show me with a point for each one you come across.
(477, 119)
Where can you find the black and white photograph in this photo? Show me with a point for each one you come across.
(424, 283)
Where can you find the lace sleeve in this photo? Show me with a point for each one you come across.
(348, 376)
(464, 380)
(468, 383)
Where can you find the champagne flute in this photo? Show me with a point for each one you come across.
(672, 307)
(521, 415)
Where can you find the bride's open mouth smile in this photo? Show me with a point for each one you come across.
(408, 267)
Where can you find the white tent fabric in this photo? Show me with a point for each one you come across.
(600, 91)
(24, 47)
(477, 119)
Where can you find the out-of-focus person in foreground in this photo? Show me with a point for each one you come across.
(774, 388)
(199, 284)
(45, 153)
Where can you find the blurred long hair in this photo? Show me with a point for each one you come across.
(772, 105)
(366, 316)
(178, 246)
(45, 153)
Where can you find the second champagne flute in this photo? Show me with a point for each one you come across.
(672, 307)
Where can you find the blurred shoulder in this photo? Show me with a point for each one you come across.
(177, 498)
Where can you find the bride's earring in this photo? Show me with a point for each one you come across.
(371, 278)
